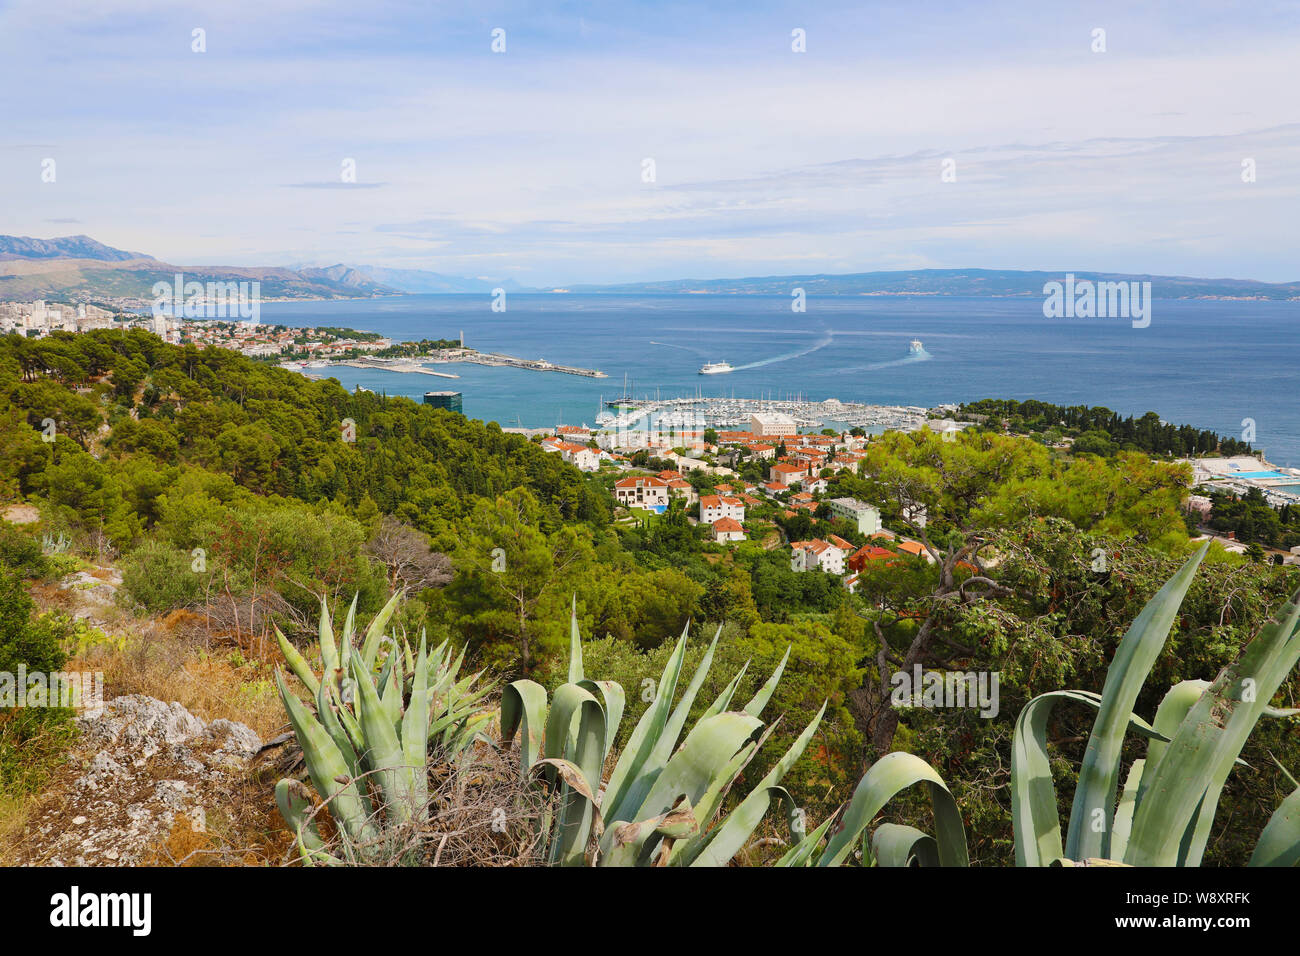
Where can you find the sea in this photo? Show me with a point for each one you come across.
(1231, 366)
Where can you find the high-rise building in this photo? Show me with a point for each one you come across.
(448, 400)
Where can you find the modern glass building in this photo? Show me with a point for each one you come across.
(448, 400)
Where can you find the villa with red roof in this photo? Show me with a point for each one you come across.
(728, 529)
(713, 507)
(642, 491)
(816, 555)
(787, 474)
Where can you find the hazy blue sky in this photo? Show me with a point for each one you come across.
(528, 163)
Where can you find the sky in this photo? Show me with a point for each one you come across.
(532, 163)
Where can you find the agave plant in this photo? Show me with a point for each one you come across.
(1163, 814)
(661, 804)
(366, 743)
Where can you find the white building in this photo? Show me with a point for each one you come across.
(772, 423)
(864, 517)
(787, 474)
(715, 507)
(727, 529)
(816, 555)
(642, 491)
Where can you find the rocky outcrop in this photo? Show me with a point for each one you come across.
(137, 768)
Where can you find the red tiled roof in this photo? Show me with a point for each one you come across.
(727, 524)
(641, 481)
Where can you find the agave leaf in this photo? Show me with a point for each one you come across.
(760, 699)
(297, 663)
(396, 780)
(705, 754)
(723, 700)
(350, 622)
(1034, 817)
(734, 832)
(888, 776)
(575, 645)
(575, 785)
(329, 652)
(1185, 786)
(1127, 804)
(610, 694)
(586, 751)
(631, 844)
(415, 734)
(327, 768)
(333, 726)
(628, 785)
(1128, 671)
(895, 845)
(673, 728)
(1279, 841)
(524, 702)
(370, 648)
(804, 853)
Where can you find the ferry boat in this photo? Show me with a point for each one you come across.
(715, 368)
(916, 348)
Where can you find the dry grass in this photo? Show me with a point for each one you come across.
(211, 677)
(480, 813)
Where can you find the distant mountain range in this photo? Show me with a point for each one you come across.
(80, 267)
(964, 282)
(422, 281)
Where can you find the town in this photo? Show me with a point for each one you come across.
(769, 486)
(763, 487)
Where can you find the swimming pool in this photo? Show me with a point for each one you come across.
(1256, 474)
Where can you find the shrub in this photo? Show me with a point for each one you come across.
(33, 644)
(159, 578)
(21, 552)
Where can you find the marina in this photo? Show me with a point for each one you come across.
(735, 412)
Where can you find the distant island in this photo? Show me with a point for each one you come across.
(82, 269)
(954, 282)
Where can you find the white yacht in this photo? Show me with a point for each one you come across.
(715, 368)
(916, 348)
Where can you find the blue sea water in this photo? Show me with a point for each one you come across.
(1212, 364)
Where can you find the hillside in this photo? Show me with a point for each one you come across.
(80, 267)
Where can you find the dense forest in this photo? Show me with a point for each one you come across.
(1099, 430)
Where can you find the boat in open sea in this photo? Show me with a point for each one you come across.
(916, 348)
(715, 368)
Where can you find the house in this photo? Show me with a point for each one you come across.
(681, 488)
(816, 555)
(864, 517)
(787, 474)
(868, 554)
(915, 549)
(728, 529)
(815, 484)
(773, 487)
(761, 450)
(714, 507)
(580, 456)
(851, 582)
(845, 546)
(642, 491)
